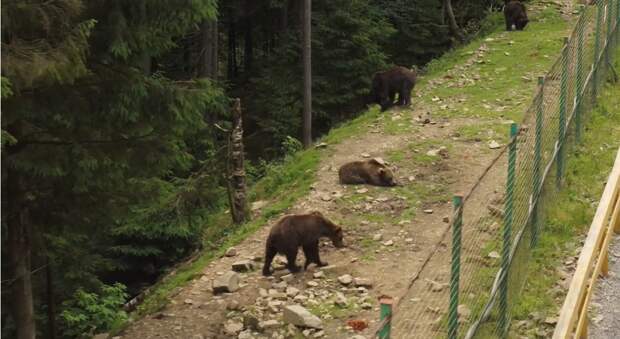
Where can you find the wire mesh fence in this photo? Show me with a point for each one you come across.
(497, 224)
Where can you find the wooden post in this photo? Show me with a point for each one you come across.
(236, 172)
(307, 51)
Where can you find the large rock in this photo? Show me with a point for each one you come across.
(227, 282)
(345, 279)
(299, 316)
(232, 328)
(361, 282)
(243, 266)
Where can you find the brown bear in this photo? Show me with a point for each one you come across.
(386, 84)
(370, 172)
(515, 14)
(300, 230)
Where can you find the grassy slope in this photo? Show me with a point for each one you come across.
(570, 214)
(498, 87)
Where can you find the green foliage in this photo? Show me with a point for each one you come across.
(89, 313)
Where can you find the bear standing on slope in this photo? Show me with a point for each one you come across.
(386, 84)
(300, 230)
(515, 14)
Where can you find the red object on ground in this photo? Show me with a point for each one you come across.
(357, 325)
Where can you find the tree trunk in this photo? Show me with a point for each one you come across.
(207, 65)
(236, 172)
(248, 48)
(19, 246)
(232, 50)
(454, 28)
(51, 311)
(307, 121)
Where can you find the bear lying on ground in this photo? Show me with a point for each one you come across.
(370, 172)
(515, 14)
(300, 230)
(386, 84)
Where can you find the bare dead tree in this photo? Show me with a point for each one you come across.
(454, 28)
(236, 173)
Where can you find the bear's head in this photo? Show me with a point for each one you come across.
(386, 176)
(331, 230)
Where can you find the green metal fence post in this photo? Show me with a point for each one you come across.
(537, 159)
(453, 316)
(597, 49)
(579, 74)
(562, 116)
(504, 320)
(386, 313)
(609, 20)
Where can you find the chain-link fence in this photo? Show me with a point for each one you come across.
(497, 224)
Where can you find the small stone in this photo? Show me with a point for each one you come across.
(494, 255)
(446, 219)
(463, 311)
(299, 316)
(345, 279)
(279, 286)
(362, 190)
(319, 275)
(319, 334)
(312, 283)
(326, 197)
(287, 278)
(300, 298)
(341, 300)
(409, 240)
(433, 152)
(436, 286)
(227, 282)
(377, 237)
(388, 243)
(292, 291)
(494, 144)
(233, 328)
(361, 282)
(231, 252)
(232, 305)
(366, 306)
(188, 301)
(358, 336)
(243, 266)
(428, 211)
(365, 155)
(320, 145)
(269, 324)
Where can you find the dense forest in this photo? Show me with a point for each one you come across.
(116, 120)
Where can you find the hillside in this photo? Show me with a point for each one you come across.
(459, 120)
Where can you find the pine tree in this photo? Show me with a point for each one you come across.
(89, 131)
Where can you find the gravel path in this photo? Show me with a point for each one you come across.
(605, 320)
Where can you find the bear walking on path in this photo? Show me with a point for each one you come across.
(515, 14)
(300, 230)
(370, 172)
(386, 84)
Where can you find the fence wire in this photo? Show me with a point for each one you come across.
(502, 220)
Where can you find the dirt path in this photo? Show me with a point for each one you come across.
(391, 232)
(605, 321)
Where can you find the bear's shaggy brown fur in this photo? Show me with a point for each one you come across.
(370, 172)
(386, 84)
(515, 14)
(300, 230)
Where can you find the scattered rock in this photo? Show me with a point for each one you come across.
(361, 282)
(279, 286)
(494, 144)
(299, 316)
(366, 306)
(409, 240)
(496, 211)
(188, 301)
(551, 320)
(388, 243)
(231, 252)
(377, 237)
(319, 334)
(288, 278)
(232, 305)
(428, 211)
(320, 145)
(312, 283)
(365, 155)
(233, 328)
(436, 286)
(292, 291)
(463, 311)
(243, 266)
(345, 279)
(257, 205)
(446, 219)
(341, 300)
(494, 255)
(319, 275)
(227, 282)
(245, 335)
(269, 324)
(358, 337)
(362, 190)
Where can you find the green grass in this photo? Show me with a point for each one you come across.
(571, 211)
